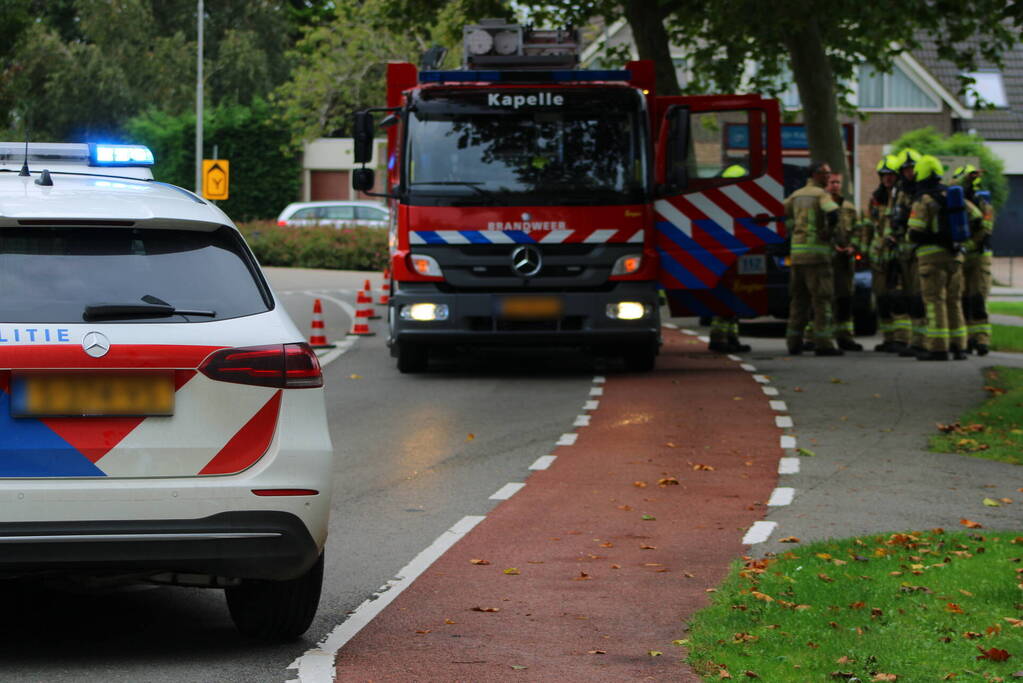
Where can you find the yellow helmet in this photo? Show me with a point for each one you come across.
(887, 164)
(908, 157)
(928, 166)
(734, 171)
(964, 171)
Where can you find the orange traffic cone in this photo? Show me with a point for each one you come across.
(382, 301)
(365, 296)
(359, 325)
(318, 336)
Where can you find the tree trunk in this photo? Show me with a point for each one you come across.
(646, 19)
(816, 83)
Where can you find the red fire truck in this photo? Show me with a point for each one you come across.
(534, 203)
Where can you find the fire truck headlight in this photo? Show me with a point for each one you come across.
(424, 312)
(626, 310)
(425, 265)
(626, 265)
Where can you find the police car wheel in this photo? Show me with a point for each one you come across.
(276, 611)
(412, 357)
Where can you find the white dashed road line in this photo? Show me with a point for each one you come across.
(599, 379)
(759, 532)
(543, 462)
(581, 421)
(748, 368)
(737, 359)
(566, 440)
(591, 405)
(770, 391)
(781, 496)
(783, 421)
(596, 391)
(779, 406)
(788, 441)
(762, 379)
(507, 491)
(317, 664)
(788, 466)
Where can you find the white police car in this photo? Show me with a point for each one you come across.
(161, 417)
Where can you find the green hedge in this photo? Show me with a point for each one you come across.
(346, 248)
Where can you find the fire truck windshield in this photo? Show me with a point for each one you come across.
(527, 147)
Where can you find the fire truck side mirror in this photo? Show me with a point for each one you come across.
(363, 179)
(362, 131)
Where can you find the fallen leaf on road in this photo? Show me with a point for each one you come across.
(607, 545)
(671, 445)
(449, 621)
(648, 518)
(992, 503)
(354, 376)
(596, 652)
(789, 539)
(583, 576)
(512, 571)
(478, 561)
(639, 484)
(703, 468)
(423, 631)
(470, 437)
(616, 566)
(970, 524)
(486, 609)
(806, 451)
(667, 481)
(519, 667)
(654, 653)
(648, 547)
(835, 380)
(627, 508)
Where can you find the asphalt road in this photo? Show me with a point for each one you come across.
(418, 453)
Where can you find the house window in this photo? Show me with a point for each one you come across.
(987, 86)
(894, 90)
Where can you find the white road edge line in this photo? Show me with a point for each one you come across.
(581, 421)
(748, 368)
(737, 359)
(670, 326)
(599, 379)
(596, 391)
(762, 379)
(591, 405)
(788, 441)
(566, 439)
(783, 421)
(689, 332)
(770, 391)
(507, 491)
(782, 495)
(788, 466)
(705, 340)
(779, 406)
(759, 532)
(333, 354)
(317, 664)
(543, 462)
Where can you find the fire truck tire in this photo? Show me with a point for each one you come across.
(640, 357)
(412, 358)
(276, 611)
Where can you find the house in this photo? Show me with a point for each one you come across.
(922, 90)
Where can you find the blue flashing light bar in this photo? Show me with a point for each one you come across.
(120, 155)
(561, 76)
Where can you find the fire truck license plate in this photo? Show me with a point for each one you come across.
(531, 307)
(88, 394)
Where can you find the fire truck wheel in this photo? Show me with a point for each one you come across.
(640, 357)
(276, 611)
(412, 357)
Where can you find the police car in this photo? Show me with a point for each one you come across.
(161, 418)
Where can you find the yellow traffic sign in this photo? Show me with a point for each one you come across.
(215, 177)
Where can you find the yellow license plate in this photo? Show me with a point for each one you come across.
(88, 394)
(531, 307)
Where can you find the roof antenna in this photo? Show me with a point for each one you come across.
(24, 165)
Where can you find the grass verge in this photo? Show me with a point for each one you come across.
(1006, 337)
(927, 606)
(1005, 307)
(994, 430)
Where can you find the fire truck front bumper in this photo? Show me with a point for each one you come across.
(625, 314)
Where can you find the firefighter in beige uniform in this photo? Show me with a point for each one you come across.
(884, 260)
(977, 262)
(811, 216)
(940, 265)
(911, 299)
(847, 240)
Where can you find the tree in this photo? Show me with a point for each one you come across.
(820, 46)
(340, 67)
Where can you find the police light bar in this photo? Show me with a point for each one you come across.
(120, 155)
(560, 76)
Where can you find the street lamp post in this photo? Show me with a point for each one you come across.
(198, 105)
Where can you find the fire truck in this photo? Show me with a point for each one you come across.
(536, 203)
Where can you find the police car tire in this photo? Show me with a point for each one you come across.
(276, 611)
(412, 358)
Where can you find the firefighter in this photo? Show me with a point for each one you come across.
(940, 263)
(908, 292)
(812, 218)
(843, 263)
(883, 258)
(977, 262)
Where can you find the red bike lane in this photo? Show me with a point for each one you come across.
(599, 560)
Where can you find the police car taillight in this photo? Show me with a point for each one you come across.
(286, 366)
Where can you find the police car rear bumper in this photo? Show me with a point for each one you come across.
(245, 545)
(474, 318)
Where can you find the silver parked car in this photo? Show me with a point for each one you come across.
(336, 213)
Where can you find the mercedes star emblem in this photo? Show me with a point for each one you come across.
(526, 261)
(95, 344)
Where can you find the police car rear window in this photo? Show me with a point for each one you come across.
(51, 274)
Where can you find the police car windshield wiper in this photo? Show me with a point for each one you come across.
(151, 307)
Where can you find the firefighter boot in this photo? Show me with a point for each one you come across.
(931, 355)
(958, 353)
(982, 349)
